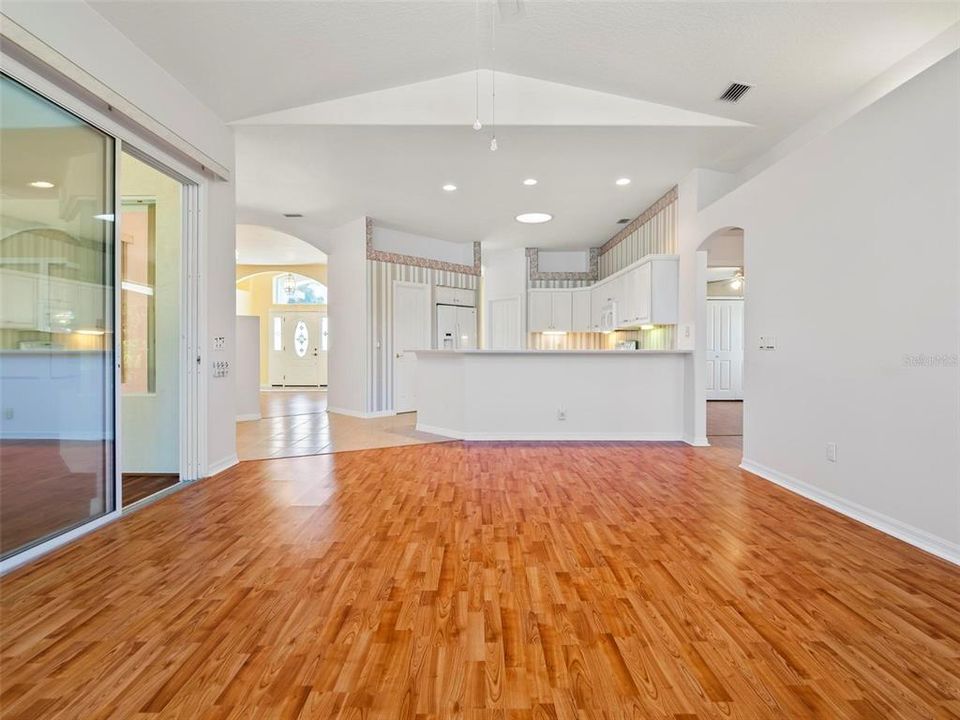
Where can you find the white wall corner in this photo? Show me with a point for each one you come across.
(916, 537)
(217, 467)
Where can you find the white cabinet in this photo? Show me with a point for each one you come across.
(636, 296)
(644, 294)
(540, 311)
(550, 310)
(444, 295)
(581, 317)
(19, 297)
(596, 307)
(649, 294)
(562, 305)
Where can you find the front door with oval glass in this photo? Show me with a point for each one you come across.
(298, 349)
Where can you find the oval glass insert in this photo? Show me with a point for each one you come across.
(300, 339)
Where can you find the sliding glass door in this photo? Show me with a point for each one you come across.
(151, 239)
(57, 363)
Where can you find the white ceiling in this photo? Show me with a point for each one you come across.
(395, 175)
(257, 245)
(246, 59)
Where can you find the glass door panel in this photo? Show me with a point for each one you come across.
(56, 320)
(151, 238)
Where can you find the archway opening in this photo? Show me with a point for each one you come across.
(723, 347)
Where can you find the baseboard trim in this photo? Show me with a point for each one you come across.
(82, 435)
(548, 437)
(362, 415)
(696, 442)
(248, 416)
(921, 539)
(215, 468)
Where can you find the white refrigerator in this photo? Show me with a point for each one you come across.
(456, 327)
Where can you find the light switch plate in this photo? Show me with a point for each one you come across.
(219, 342)
(831, 452)
(768, 342)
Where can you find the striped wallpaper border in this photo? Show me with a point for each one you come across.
(663, 201)
(414, 261)
(656, 236)
(533, 268)
(380, 278)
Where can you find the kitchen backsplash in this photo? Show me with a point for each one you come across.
(659, 338)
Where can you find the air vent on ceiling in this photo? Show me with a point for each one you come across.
(292, 215)
(623, 221)
(735, 92)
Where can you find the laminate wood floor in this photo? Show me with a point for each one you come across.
(137, 487)
(473, 581)
(49, 485)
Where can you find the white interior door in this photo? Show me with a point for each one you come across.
(411, 331)
(724, 349)
(295, 358)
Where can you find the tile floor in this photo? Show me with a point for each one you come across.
(297, 423)
(725, 423)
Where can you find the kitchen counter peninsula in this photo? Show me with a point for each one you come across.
(553, 394)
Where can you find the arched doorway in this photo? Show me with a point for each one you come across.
(724, 293)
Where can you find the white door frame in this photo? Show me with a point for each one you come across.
(193, 401)
(303, 310)
(734, 299)
(428, 317)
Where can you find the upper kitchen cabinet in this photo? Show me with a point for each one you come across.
(645, 293)
(596, 307)
(550, 310)
(580, 300)
(649, 294)
(444, 295)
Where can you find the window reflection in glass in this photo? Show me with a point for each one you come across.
(56, 319)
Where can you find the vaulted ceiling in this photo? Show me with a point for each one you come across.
(348, 108)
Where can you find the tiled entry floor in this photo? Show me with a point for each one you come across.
(297, 423)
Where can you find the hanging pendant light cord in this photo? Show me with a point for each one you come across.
(493, 72)
(476, 43)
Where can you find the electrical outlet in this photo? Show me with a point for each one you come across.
(561, 414)
(831, 452)
(768, 342)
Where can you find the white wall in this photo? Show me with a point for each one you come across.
(82, 35)
(347, 312)
(851, 258)
(246, 372)
(404, 243)
(725, 249)
(78, 32)
(504, 277)
(563, 260)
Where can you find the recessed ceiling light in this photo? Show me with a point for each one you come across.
(41, 184)
(534, 217)
(623, 181)
(530, 181)
(449, 187)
